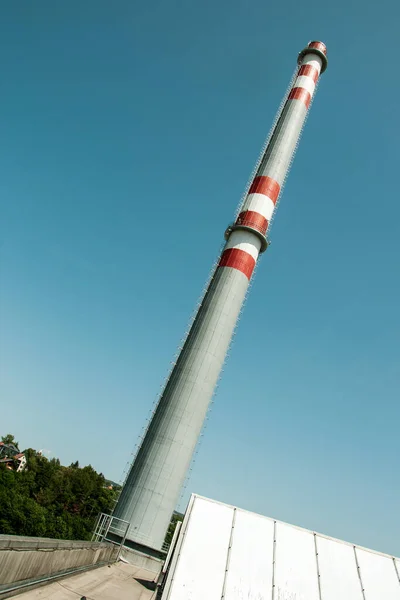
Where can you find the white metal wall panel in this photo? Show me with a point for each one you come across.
(200, 570)
(250, 563)
(339, 578)
(296, 574)
(215, 561)
(378, 576)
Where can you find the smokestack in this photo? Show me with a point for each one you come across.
(152, 488)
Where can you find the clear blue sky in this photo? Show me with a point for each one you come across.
(128, 131)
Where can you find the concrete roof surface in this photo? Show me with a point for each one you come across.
(106, 583)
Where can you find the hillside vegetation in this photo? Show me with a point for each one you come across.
(47, 499)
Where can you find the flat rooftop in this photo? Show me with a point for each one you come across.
(118, 581)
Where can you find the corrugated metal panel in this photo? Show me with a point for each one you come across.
(224, 553)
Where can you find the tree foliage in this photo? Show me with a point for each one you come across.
(9, 439)
(49, 500)
(170, 532)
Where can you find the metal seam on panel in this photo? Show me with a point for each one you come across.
(181, 539)
(396, 569)
(228, 555)
(273, 563)
(161, 579)
(296, 527)
(317, 561)
(359, 572)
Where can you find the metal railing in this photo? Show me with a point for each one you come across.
(107, 524)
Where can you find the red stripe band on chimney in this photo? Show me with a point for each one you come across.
(251, 218)
(318, 46)
(299, 93)
(238, 259)
(267, 186)
(309, 71)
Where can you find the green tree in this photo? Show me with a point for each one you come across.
(170, 532)
(50, 500)
(9, 439)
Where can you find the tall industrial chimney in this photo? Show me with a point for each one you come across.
(152, 488)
